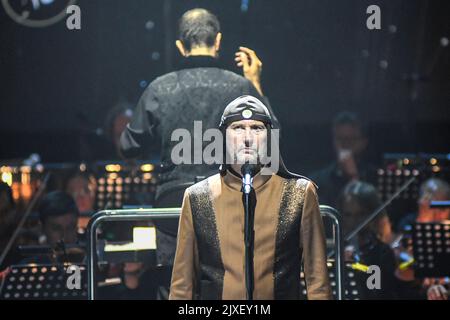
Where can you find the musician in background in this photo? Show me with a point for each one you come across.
(350, 143)
(116, 121)
(58, 214)
(370, 245)
(433, 189)
(82, 187)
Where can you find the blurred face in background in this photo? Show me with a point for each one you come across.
(349, 138)
(82, 189)
(62, 227)
(353, 213)
(427, 214)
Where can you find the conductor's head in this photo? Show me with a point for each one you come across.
(198, 34)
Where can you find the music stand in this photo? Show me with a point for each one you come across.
(42, 282)
(350, 282)
(431, 248)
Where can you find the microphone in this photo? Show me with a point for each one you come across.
(248, 171)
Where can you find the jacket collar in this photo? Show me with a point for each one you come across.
(234, 181)
(199, 62)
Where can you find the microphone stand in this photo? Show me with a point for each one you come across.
(377, 211)
(249, 234)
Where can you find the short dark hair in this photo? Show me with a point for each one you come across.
(366, 195)
(56, 203)
(198, 27)
(349, 118)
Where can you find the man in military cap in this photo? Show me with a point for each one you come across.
(210, 256)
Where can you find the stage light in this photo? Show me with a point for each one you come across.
(149, 25)
(113, 167)
(39, 168)
(436, 169)
(25, 169)
(6, 175)
(392, 28)
(147, 176)
(384, 64)
(7, 178)
(143, 84)
(113, 176)
(155, 56)
(147, 167)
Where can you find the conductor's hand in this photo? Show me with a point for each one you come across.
(251, 66)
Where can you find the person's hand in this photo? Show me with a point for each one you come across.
(348, 164)
(251, 66)
(437, 292)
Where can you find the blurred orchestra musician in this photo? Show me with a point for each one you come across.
(82, 187)
(58, 215)
(116, 121)
(371, 245)
(433, 189)
(350, 142)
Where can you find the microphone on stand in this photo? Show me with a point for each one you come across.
(248, 171)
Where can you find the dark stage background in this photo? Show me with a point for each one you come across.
(319, 58)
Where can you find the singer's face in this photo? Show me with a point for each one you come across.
(246, 142)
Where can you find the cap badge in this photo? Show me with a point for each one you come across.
(247, 114)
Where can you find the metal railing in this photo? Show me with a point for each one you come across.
(117, 215)
(174, 213)
(333, 214)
